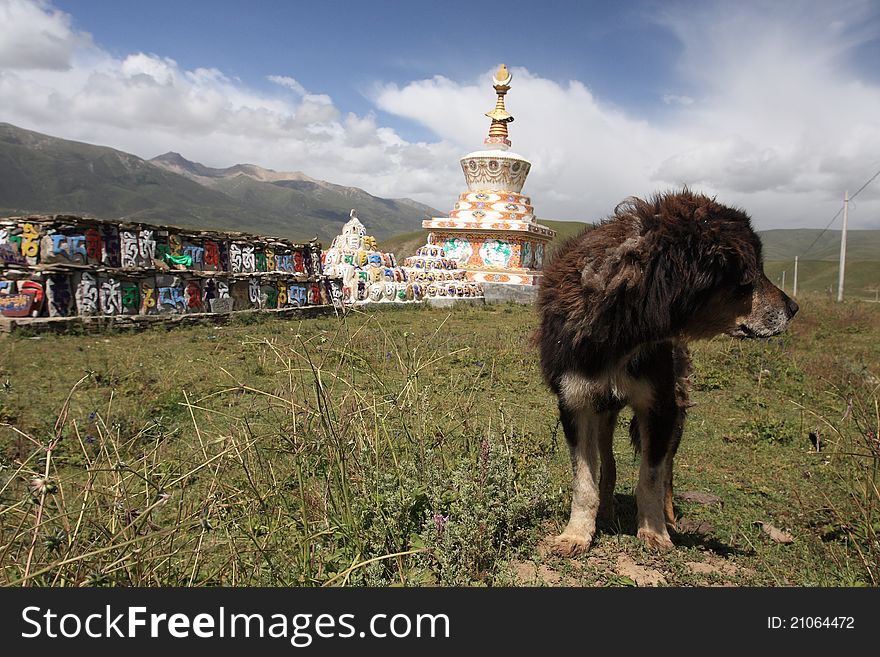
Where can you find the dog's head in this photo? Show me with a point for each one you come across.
(731, 293)
(767, 311)
(749, 309)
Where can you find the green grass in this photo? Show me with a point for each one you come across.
(816, 244)
(417, 447)
(862, 277)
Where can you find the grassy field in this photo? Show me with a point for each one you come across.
(419, 447)
(862, 277)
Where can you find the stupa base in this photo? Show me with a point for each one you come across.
(508, 277)
(510, 293)
(454, 302)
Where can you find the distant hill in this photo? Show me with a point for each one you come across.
(818, 257)
(294, 194)
(862, 279)
(44, 174)
(785, 244)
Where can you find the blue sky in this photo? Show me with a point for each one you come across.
(774, 106)
(343, 48)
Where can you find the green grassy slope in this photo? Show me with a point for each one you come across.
(815, 276)
(786, 244)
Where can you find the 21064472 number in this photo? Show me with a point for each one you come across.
(811, 622)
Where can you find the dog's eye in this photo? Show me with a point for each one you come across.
(744, 289)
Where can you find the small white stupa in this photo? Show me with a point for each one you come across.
(368, 274)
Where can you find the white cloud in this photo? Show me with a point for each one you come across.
(35, 36)
(769, 116)
(290, 83)
(780, 125)
(675, 99)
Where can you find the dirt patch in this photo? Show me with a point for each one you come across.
(688, 525)
(720, 567)
(641, 575)
(527, 573)
(714, 566)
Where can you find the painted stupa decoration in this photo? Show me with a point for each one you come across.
(367, 274)
(491, 232)
(434, 275)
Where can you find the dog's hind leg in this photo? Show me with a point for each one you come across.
(660, 428)
(586, 430)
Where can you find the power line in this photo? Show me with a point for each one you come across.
(828, 225)
(870, 180)
(824, 230)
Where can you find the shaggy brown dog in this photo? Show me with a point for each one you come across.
(618, 305)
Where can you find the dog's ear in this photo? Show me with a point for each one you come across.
(729, 249)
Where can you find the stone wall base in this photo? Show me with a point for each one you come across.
(507, 293)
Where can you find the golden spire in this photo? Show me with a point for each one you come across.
(500, 116)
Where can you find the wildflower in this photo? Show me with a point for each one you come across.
(440, 524)
(93, 416)
(43, 486)
(90, 439)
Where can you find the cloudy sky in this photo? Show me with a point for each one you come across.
(774, 106)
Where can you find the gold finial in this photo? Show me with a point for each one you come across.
(502, 75)
(500, 116)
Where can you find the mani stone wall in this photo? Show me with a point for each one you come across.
(67, 266)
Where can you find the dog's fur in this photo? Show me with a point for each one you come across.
(618, 305)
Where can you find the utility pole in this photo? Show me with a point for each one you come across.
(842, 248)
(794, 291)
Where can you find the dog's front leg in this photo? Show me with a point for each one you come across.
(585, 429)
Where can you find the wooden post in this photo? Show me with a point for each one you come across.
(794, 290)
(783, 280)
(842, 249)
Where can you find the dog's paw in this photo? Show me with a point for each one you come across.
(655, 541)
(565, 545)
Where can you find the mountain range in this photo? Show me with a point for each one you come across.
(44, 174)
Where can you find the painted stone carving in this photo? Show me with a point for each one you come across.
(110, 297)
(459, 249)
(87, 296)
(496, 253)
(440, 275)
(61, 301)
(63, 266)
